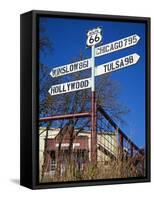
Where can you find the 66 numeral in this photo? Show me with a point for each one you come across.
(93, 39)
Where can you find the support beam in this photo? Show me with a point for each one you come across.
(121, 145)
(93, 110)
(93, 130)
(131, 150)
(67, 116)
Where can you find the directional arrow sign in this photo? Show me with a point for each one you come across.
(70, 68)
(70, 86)
(117, 64)
(117, 45)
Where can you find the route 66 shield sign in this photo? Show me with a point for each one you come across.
(94, 37)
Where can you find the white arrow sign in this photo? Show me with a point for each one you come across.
(70, 68)
(117, 64)
(117, 45)
(70, 86)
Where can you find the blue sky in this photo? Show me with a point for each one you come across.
(68, 38)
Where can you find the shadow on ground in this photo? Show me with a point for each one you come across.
(15, 181)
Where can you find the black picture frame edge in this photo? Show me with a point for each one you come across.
(88, 15)
(148, 99)
(28, 99)
(25, 100)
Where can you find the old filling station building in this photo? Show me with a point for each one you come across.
(50, 142)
